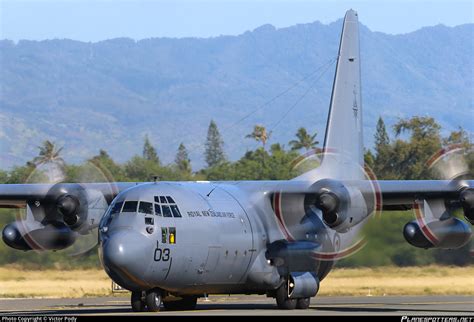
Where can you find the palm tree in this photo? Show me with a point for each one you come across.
(48, 166)
(259, 134)
(48, 154)
(305, 140)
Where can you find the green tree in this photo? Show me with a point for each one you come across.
(381, 164)
(140, 169)
(149, 152)
(369, 159)
(107, 165)
(214, 153)
(49, 153)
(304, 140)
(409, 158)
(259, 134)
(182, 160)
(381, 135)
(3, 176)
(458, 137)
(48, 166)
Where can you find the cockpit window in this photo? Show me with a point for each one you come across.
(166, 211)
(175, 211)
(116, 208)
(168, 208)
(145, 207)
(130, 206)
(157, 209)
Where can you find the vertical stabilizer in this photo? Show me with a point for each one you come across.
(343, 142)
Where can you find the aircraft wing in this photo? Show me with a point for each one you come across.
(18, 195)
(401, 194)
(392, 194)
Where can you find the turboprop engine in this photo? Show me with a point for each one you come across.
(55, 221)
(342, 205)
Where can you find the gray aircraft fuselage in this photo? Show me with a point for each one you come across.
(220, 241)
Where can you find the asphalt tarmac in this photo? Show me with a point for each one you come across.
(251, 305)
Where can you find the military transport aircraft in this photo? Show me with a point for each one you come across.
(172, 242)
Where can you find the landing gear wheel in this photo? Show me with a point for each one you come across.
(138, 305)
(153, 300)
(282, 299)
(186, 304)
(303, 303)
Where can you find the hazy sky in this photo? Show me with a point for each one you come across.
(92, 20)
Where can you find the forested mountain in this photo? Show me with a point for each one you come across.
(110, 94)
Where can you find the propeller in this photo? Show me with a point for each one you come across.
(68, 216)
(335, 204)
(434, 225)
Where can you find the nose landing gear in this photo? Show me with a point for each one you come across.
(149, 301)
(153, 300)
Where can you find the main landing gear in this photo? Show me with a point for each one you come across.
(284, 302)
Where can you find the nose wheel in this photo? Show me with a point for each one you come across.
(149, 301)
(153, 300)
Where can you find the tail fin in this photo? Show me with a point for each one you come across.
(344, 124)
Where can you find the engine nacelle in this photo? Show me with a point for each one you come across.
(342, 206)
(54, 236)
(13, 238)
(445, 234)
(54, 222)
(67, 203)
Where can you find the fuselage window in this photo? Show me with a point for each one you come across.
(130, 206)
(116, 208)
(162, 199)
(175, 210)
(145, 207)
(170, 200)
(166, 211)
(157, 199)
(157, 209)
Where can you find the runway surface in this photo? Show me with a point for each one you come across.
(252, 305)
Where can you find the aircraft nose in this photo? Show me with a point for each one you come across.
(122, 249)
(124, 256)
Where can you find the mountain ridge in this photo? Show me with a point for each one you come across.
(80, 94)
